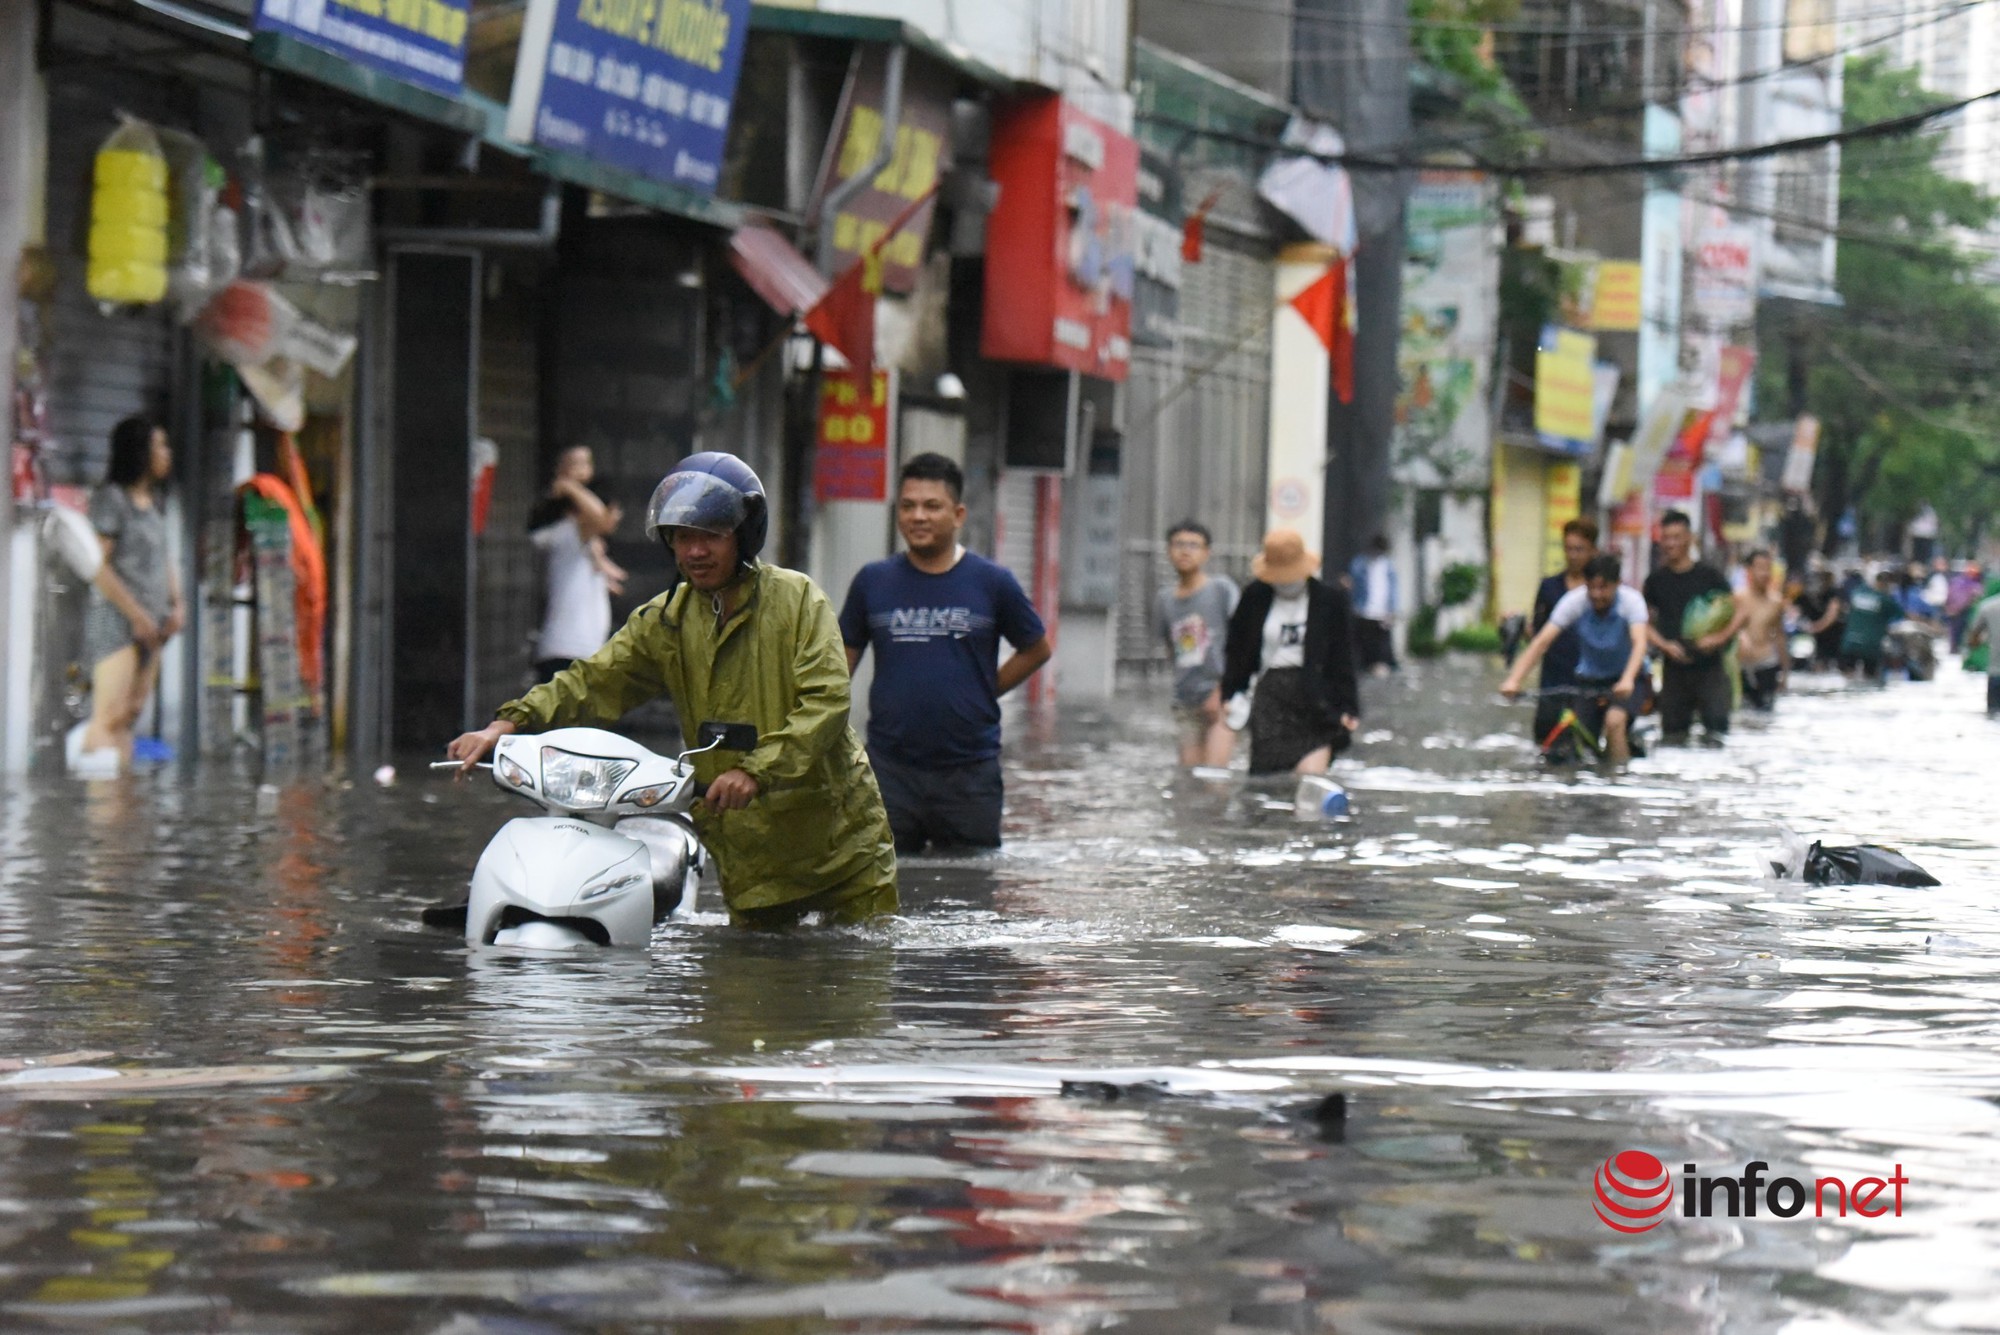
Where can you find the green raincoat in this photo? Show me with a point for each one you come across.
(815, 837)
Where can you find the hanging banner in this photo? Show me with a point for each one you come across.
(418, 41)
(1566, 390)
(1660, 264)
(1725, 274)
(644, 86)
(1614, 297)
(1156, 237)
(1301, 380)
(1562, 501)
(851, 462)
(1674, 485)
(923, 143)
(1800, 457)
(1059, 262)
(1732, 379)
(1657, 433)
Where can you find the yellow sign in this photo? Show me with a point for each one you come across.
(1614, 298)
(1562, 501)
(1566, 387)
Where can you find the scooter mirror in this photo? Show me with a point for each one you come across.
(716, 735)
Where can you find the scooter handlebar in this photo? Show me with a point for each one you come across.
(459, 764)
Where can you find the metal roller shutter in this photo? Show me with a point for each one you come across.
(1199, 418)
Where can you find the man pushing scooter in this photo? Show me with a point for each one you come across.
(751, 654)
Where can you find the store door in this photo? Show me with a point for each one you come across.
(433, 412)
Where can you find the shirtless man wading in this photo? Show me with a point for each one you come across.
(1761, 646)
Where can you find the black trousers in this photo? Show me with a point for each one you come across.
(1760, 687)
(1992, 696)
(1688, 689)
(1374, 642)
(956, 806)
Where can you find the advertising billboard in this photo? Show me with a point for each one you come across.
(644, 85)
(1059, 244)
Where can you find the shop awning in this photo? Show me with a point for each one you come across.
(866, 28)
(282, 52)
(775, 270)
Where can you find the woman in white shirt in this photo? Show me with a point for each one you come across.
(568, 528)
(1294, 636)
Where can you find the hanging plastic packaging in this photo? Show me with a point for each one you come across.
(200, 259)
(128, 218)
(247, 324)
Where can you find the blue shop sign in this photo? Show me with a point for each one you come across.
(645, 85)
(419, 41)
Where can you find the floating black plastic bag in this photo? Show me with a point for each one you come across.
(1863, 864)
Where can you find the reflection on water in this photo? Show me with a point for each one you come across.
(239, 1089)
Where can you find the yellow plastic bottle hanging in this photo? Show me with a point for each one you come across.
(128, 218)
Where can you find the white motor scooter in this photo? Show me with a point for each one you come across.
(613, 853)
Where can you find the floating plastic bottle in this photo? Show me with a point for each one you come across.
(128, 218)
(1319, 798)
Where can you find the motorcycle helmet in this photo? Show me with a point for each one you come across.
(714, 492)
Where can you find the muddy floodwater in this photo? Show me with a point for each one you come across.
(241, 1089)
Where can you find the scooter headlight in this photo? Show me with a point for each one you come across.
(581, 783)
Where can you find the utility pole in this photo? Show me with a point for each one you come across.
(1352, 68)
(18, 84)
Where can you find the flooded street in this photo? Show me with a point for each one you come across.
(284, 1106)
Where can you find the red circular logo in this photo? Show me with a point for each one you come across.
(1634, 1192)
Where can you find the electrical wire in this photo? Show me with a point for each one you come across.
(1895, 125)
(1316, 19)
(1715, 86)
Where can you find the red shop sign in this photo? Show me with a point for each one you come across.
(1674, 483)
(1059, 243)
(852, 459)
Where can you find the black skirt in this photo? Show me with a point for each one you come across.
(1289, 720)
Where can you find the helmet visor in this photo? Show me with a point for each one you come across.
(695, 500)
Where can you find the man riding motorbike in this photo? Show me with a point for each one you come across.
(795, 820)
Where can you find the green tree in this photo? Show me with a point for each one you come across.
(1899, 375)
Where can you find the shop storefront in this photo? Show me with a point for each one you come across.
(381, 320)
(1200, 414)
(1057, 312)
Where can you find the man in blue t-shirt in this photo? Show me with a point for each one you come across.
(935, 617)
(1610, 624)
(1559, 664)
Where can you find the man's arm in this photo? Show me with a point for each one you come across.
(1673, 649)
(1716, 639)
(853, 624)
(1017, 621)
(1532, 655)
(1634, 661)
(821, 695)
(1023, 663)
(602, 688)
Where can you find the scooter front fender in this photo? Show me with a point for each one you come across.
(562, 870)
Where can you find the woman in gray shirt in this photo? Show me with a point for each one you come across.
(135, 602)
